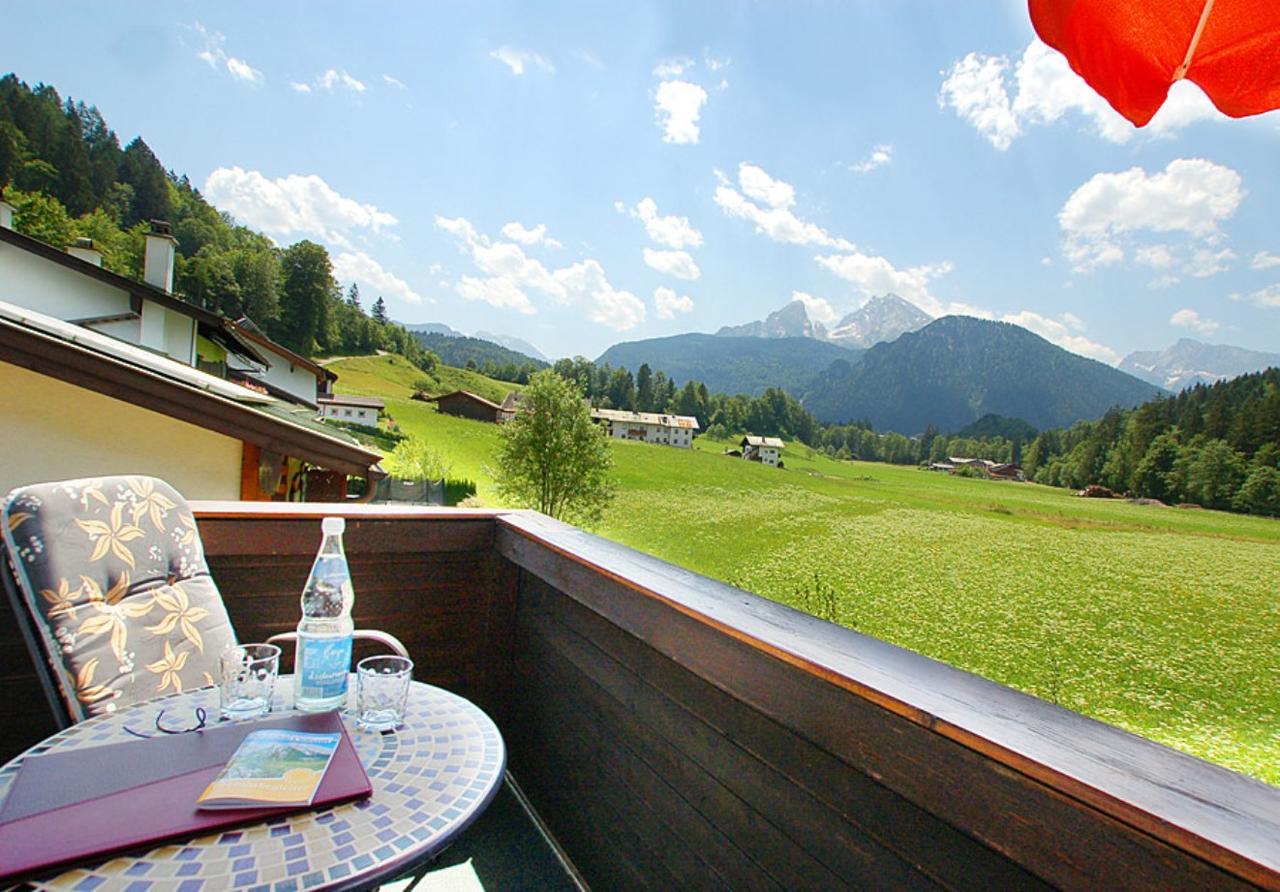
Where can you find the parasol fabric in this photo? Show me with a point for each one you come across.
(1132, 51)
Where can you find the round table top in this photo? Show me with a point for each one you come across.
(431, 779)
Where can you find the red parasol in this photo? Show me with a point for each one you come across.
(1132, 51)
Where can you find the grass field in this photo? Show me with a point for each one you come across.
(1162, 621)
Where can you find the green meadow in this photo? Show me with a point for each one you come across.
(1162, 621)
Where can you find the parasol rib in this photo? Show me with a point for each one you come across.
(1181, 71)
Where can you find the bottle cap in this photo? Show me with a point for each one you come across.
(333, 526)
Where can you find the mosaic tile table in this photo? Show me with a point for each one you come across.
(431, 779)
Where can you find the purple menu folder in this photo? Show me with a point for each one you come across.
(77, 805)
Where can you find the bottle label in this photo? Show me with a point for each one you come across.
(324, 666)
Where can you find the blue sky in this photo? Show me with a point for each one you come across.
(578, 174)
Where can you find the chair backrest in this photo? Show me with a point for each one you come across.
(109, 582)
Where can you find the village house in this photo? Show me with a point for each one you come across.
(648, 427)
(465, 404)
(354, 409)
(287, 375)
(79, 403)
(766, 450)
(510, 406)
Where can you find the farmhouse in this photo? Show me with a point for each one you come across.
(510, 406)
(466, 404)
(649, 427)
(356, 409)
(766, 450)
(287, 375)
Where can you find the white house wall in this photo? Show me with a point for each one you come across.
(653, 433)
(55, 431)
(289, 377)
(35, 283)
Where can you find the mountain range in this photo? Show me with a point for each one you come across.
(1190, 362)
(881, 318)
(957, 369)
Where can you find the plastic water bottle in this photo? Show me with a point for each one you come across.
(324, 634)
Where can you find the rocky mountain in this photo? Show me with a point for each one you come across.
(1190, 362)
(882, 318)
(434, 328)
(742, 364)
(512, 343)
(792, 321)
(957, 369)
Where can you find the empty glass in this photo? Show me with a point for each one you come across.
(382, 690)
(248, 677)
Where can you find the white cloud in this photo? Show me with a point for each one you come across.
(292, 206)
(496, 291)
(1206, 262)
(1191, 195)
(357, 266)
(669, 231)
(678, 105)
(758, 185)
(667, 303)
(337, 78)
(1059, 332)
(243, 71)
(393, 82)
(670, 68)
(975, 88)
(819, 308)
(519, 60)
(776, 221)
(978, 86)
(1264, 260)
(590, 58)
(214, 54)
(673, 263)
(1154, 256)
(1168, 280)
(1267, 298)
(510, 273)
(620, 207)
(715, 63)
(879, 157)
(538, 234)
(299, 87)
(435, 269)
(1188, 318)
(873, 275)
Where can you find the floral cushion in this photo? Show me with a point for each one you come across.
(113, 573)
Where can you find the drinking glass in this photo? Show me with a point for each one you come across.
(248, 676)
(382, 689)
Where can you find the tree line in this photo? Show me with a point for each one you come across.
(1215, 445)
(67, 176)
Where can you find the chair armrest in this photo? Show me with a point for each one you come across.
(389, 641)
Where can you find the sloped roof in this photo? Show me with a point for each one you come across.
(686, 422)
(763, 441)
(106, 365)
(466, 394)
(342, 399)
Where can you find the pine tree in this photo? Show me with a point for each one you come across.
(380, 311)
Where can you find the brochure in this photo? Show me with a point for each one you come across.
(270, 768)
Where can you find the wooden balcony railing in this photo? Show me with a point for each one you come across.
(676, 732)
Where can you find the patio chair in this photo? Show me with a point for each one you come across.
(108, 583)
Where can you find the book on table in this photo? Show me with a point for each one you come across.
(74, 805)
(272, 767)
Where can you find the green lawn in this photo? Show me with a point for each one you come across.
(1160, 620)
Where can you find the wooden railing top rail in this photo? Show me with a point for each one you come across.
(1218, 815)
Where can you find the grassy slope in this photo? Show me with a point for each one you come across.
(1160, 620)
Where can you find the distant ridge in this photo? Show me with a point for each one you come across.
(731, 364)
(434, 328)
(792, 321)
(1190, 362)
(457, 349)
(513, 343)
(879, 320)
(957, 369)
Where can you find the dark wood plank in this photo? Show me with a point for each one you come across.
(1137, 814)
(642, 769)
(798, 768)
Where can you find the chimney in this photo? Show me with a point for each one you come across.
(6, 213)
(83, 248)
(157, 267)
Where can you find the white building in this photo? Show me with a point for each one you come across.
(355, 409)
(649, 427)
(766, 450)
(73, 286)
(288, 376)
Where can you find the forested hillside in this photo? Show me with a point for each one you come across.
(1216, 446)
(63, 169)
(492, 359)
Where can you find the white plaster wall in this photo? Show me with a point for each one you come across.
(46, 287)
(55, 431)
(288, 377)
(179, 336)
